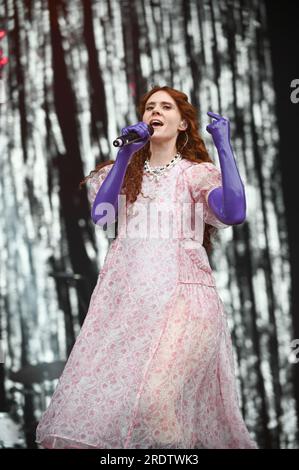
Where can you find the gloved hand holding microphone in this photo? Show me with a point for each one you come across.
(133, 138)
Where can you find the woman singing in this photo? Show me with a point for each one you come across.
(153, 365)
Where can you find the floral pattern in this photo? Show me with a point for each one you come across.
(152, 366)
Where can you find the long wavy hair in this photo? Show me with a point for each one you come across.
(195, 151)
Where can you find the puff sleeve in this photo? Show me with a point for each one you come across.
(94, 183)
(202, 179)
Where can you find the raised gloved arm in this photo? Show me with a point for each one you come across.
(111, 186)
(227, 202)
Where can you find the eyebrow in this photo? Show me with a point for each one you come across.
(162, 102)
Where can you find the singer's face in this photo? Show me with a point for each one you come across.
(163, 107)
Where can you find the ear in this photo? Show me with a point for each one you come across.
(183, 125)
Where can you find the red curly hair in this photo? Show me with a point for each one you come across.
(195, 151)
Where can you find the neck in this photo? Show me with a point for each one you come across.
(162, 153)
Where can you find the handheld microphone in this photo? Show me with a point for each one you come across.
(130, 137)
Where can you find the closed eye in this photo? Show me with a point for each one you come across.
(165, 106)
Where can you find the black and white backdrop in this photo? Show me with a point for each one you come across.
(76, 71)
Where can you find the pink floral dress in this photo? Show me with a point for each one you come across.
(153, 365)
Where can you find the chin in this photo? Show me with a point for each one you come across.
(157, 137)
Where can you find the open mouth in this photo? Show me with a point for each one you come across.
(156, 123)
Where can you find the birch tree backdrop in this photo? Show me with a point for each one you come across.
(76, 72)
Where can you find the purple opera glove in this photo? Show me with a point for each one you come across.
(111, 186)
(227, 202)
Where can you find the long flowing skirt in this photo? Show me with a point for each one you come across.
(147, 373)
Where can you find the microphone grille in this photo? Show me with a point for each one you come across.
(150, 129)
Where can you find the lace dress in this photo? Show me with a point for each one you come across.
(152, 366)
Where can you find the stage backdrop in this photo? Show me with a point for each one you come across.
(76, 72)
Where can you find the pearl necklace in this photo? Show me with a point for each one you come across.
(158, 171)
